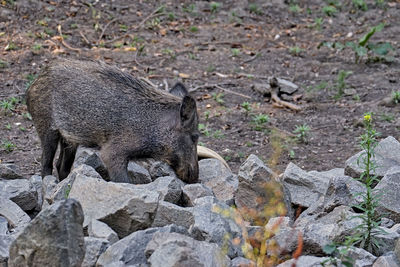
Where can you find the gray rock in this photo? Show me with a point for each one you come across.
(3, 225)
(173, 249)
(53, 238)
(387, 241)
(361, 257)
(15, 216)
(138, 174)
(304, 261)
(287, 87)
(169, 188)
(21, 191)
(36, 181)
(168, 213)
(242, 262)
(9, 171)
(387, 155)
(210, 225)
(305, 188)
(91, 157)
(257, 188)
(285, 236)
(160, 169)
(101, 230)
(341, 191)
(94, 248)
(5, 243)
(217, 177)
(130, 250)
(388, 223)
(335, 172)
(49, 184)
(124, 207)
(387, 260)
(325, 228)
(191, 192)
(389, 201)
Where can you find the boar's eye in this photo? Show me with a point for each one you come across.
(195, 137)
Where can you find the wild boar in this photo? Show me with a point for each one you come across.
(92, 104)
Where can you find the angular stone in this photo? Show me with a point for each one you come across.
(341, 191)
(168, 213)
(173, 249)
(53, 238)
(160, 169)
(49, 184)
(324, 228)
(5, 243)
(3, 225)
(389, 190)
(211, 225)
(360, 256)
(94, 248)
(387, 155)
(285, 236)
(101, 230)
(15, 216)
(387, 241)
(91, 157)
(169, 188)
(138, 174)
(191, 192)
(20, 191)
(304, 261)
(36, 181)
(130, 250)
(387, 260)
(257, 189)
(242, 262)
(9, 171)
(216, 176)
(305, 188)
(124, 207)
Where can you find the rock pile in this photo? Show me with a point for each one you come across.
(160, 221)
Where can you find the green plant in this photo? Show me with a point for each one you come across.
(235, 52)
(341, 83)
(295, 50)
(204, 129)
(396, 97)
(8, 126)
(335, 252)
(211, 68)
(218, 134)
(255, 9)
(387, 117)
(218, 98)
(329, 10)
(22, 128)
(259, 121)
(8, 146)
(246, 106)
(30, 78)
(360, 4)
(3, 64)
(169, 52)
(206, 115)
(27, 116)
(189, 9)
(11, 46)
(302, 132)
(171, 16)
(67, 190)
(193, 29)
(318, 23)
(294, 8)
(365, 233)
(215, 6)
(6, 105)
(123, 28)
(37, 47)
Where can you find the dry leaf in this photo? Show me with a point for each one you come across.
(184, 75)
(130, 48)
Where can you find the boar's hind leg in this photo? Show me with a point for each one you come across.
(116, 164)
(66, 158)
(49, 142)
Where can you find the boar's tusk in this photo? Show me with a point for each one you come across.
(203, 152)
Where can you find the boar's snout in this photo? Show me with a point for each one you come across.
(189, 174)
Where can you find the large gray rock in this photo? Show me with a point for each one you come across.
(361, 257)
(173, 249)
(304, 261)
(49, 184)
(387, 155)
(94, 248)
(217, 177)
(389, 190)
(3, 225)
(343, 190)
(324, 228)
(91, 157)
(36, 181)
(124, 207)
(242, 262)
(257, 189)
(101, 230)
(15, 216)
(305, 188)
(9, 171)
(285, 236)
(130, 250)
(53, 238)
(387, 241)
(138, 174)
(169, 187)
(168, 213)
(5, 243)
(191, 192)
(387, 260)
(211, 225)
(20, 191)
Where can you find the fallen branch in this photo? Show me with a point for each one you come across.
(65, 43)
(219, 87)
(274, 96)
(104, 30)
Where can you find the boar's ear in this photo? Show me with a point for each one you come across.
(179, 90)
(188, 112)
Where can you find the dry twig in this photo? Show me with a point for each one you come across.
(65, 43)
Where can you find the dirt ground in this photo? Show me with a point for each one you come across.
(224, 52)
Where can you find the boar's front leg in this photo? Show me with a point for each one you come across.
(116, 163)
(66, 158)
(49, 140)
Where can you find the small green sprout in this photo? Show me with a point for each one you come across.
(302, 132)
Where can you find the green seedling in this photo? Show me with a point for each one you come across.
(27, 116)
(260, 120)
(235, 52)
(360, 4)
(295, 50)
(11, 46)
(189, 9)
(255, 9)
(341, 83)
(206, 115)
(246, 106)
(3, 64)
(8, 126)
(396, 97)
(30, 79)
(329, 11)
(218, 98)
(318, 23)
(123, 28)
(218, 134)
(6, 105)
(204, 129)
(171, 16)
(302, 132)
(294, 8)
(193, 29)
(8, 146)
(215, 6)
(37, 47)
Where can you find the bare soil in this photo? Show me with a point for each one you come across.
(222, 51)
